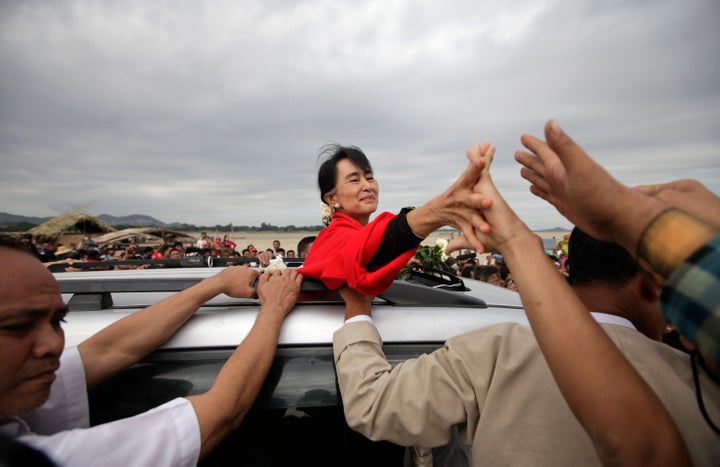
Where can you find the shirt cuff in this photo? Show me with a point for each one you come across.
(405, 228)
(670, 239)
(358, 318)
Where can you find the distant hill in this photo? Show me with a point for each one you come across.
(135, 220)
(554, 229)
(15, 223)
(6, 218)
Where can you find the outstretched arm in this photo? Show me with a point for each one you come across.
(128, 340)
(223, 407)
(630, 426)
(458, 206)
(563, 174)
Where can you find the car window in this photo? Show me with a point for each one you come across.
(297, 416)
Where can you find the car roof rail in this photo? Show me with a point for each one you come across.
(186, 262)
(93, 294)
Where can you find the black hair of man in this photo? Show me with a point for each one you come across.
(483, 272)
(468, 270)
(594, 261)
(302, 246)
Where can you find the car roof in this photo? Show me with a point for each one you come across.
(408, 312)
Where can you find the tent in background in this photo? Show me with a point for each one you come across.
(140, 235)
(69, 227)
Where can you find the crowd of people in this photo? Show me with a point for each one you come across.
(170, 249)
(589, 382)
(492, 270)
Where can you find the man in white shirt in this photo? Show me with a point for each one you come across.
(37, 375)
(204, 241)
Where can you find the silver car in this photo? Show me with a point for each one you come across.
(298, 414)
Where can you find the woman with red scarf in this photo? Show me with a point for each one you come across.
(367, 256)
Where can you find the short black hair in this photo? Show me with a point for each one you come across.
(330, 155)
(304, 242)
(483, 272)
(591, 260)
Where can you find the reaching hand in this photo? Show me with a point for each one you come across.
(460, 205)
(237, 281)
(690, 196)
(280, 288)
(505, 227)
(563, 174)
(264, 258)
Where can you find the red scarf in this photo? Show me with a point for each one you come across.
(343, 249)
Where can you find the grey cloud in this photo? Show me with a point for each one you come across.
(213, 112)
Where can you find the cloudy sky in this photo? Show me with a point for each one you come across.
(212, 112)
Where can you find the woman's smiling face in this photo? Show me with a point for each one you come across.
(356, 192)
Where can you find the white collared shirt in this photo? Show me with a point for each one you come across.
(600, 318)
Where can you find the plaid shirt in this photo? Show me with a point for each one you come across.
(690, 299)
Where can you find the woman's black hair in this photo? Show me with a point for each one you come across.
(329, 156)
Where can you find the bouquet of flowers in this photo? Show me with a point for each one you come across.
(427, 258)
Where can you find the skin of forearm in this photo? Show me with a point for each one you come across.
(353, 312)
(660, 237)
(356, 303)
(223, 407)
(128, 340)
(423, 221)
(581, 356)
(636, 211)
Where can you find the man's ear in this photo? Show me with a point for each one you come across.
(649, 289)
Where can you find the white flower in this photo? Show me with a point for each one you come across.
(326, 212)
(442, 243)
(276, 264)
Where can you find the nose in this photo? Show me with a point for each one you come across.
(50, 341)
(366, 184)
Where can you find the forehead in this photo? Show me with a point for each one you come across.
(25, 284)
(347, 167)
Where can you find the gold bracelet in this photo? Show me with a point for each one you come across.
(669, 240)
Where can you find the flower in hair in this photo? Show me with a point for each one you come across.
(326, 212)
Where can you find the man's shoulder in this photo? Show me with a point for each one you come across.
(509, 330)
(513, 337)
(630, 339)
(651, 357)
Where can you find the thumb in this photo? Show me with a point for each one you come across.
(471, 174)
(575, 160)
(561, 143)
(458, 243)
(569, 152)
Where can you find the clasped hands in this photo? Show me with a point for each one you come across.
(493, 226)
